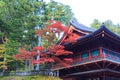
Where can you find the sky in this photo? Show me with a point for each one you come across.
(87, 10)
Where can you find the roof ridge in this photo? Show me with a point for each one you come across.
(81, 26)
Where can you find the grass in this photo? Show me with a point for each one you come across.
(37, 77)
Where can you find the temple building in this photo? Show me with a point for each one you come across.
(96, 54)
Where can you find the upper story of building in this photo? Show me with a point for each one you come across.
(92, 45)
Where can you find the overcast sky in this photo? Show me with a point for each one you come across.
(88, 10)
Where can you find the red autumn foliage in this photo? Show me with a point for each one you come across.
(24, 55)
(36, 62)
(53, 53)
(40, 31)
(72, 37)
(40, 48)
(33, 53)
(68, 59)
(52, 27)
(51, 60)
(54, 48)
(62, 52)
(58, 50)
(56, 24)
(43, 61)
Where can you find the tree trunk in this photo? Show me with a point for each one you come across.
(38, 56)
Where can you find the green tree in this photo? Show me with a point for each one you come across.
(96, 24)
(2, 57)
(109, 24)
(6, 55)
(19, 18)
(58, 11)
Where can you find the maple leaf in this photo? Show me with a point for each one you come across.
(57, 24)
(33, 53)
(67, 52)
(72, 37)
(43, 55)
(40, 32)
(68, 59)
(40, 48)
(54, 48)
(36, 62)
(62, 52)
(17, 56)
(51, 60)
(22, 51)
(42, 59)
(59, 52)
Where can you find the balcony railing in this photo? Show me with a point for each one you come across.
(95, 55)
(111, 55)
(87, 57)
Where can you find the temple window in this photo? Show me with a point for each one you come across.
(105, 52)
(95, 53)
(118, 56)
(112, 54)
(84, 55)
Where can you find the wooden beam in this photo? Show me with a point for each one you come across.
(108, 65)
(104, 64)
(94, 71)
(77, 68)
(116, 66)
(86, 67)
(98, 65)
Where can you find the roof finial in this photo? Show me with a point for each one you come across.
(103, 25)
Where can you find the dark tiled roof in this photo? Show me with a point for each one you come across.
(81, 26)
(100, 30)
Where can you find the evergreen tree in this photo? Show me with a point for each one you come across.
(109, 24)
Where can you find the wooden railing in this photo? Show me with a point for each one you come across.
(78, 60)
(115, 56)
(112, 55)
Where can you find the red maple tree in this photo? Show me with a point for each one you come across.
(56, 53)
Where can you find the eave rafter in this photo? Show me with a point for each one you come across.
(87, 68)
(108, 65)
(116, 66)
(104, 64)
(98, 65)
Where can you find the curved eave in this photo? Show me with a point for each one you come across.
(102, 32)
(74, 25)
(81, 26)
(71, 27)
(63, 37)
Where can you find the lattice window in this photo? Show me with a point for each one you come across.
(95, 53)
(84, 55)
